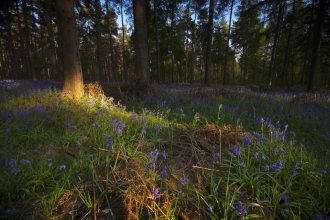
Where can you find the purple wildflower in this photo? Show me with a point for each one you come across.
(283, 198)
(151, 165)
(242, 165)
(163, 173)
(62, 167)
(184, 180)
(110, 143)
(143, 132)
(163, 153)
(321, 171)
(277, 166)
(247, 140)
(119, 128)
(49, 164)
(157, 127)
(256, 155)
(156, 193)
(265, 168)
(154, 154)
(11, 211)
(238, 150)
(25, 162)
(196, 117)
(257, 169)
(210, 208)
(11, 162)
(239, 209)
(15, 170)
(263, 157)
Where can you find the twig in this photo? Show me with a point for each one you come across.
(204, 168)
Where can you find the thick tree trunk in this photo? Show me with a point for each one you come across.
(227, 46)
(68, 40)
(141, 47)
(277, 33)
(209, 44)
(97, 7)
(123, 41)
(321, 13)
(187, 43)
(22, 69)
(29, 57)
(157, 41)
(54, 68)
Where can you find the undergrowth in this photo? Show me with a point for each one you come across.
(180, 153)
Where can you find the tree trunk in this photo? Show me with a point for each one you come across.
(111, 54)
(22, 70)
(172, 39)
(123, 40)
(157, 41)
(68, 40)
(141, 47)
(273, 56)
(97, 7)
(10, 45)
(187, 43)
(321, 13)
(288, 45)
(54, 67)
(227, 46)
(209, 44)
(29, 57)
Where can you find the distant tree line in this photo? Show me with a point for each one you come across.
(279, 42)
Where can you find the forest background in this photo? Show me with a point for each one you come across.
(252, 42)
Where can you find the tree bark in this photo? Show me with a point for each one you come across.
(321, 13)
(97, 7)
(123, 41)
(157, 41)
(227, 46)
(187, 43)
(172, 38)
(110, 42)
(209, 44)
(288, 45)
(29, 57)
(68, 40)
(54, 67)
(273, 56)
(141, 47)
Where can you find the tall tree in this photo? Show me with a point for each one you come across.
(227, 46)
(54, 67)
(111, 55)
(68, 40)
(98, 12)
(274, 48)
(319, 21)
(209, 44)
(30, 61)
(157, 41)
(141, 47)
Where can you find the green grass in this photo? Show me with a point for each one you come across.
(158, 157)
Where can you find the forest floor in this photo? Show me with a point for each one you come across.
(181, 152)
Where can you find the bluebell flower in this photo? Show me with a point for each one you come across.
(15, 170)
(321, 171)
(163, 153)
(184, 180)
(256, 155)
(62, 167)
(119, 127)
(35, 150)
(49, 164)
(151, 165)
(154, 154)
(321, 217)
(23, 161)
(239, 209)
(277, 166)
(133, 117)
(283, 198)
(242, 165)
(143, 132)
(110, 143)
(238, 150)
(196, 117)
(263, 157)
(156, 193)
(157, 127)
(11, 162)
(11, 211)
(247, 140)
(163, 173)
(47, 152)
(257, 169)
(265, 168)
(210, 208)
